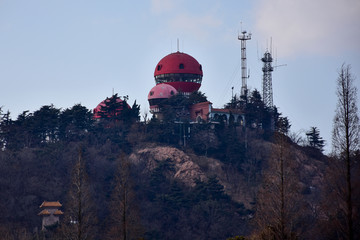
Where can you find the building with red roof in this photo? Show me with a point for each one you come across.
(50, 213)
(181, 73)
(158, 96)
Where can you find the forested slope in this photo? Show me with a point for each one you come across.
(227, 181)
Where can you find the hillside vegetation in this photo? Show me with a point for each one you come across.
(222, 181)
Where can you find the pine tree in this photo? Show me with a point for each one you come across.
(75, 122)
(46, 123)
(314, 139)
(111, 109)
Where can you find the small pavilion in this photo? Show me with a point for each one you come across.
(50, 213)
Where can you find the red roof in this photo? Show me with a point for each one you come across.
(58, 212)
(50, 204)
(44, 212)
(162, 90)
(178, 62)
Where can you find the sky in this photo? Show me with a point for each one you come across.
(65, 52)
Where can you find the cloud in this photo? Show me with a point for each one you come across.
(307, 26)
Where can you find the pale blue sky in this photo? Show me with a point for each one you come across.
(76, 51)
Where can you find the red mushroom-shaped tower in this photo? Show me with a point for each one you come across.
(158, 94)
(181, 71)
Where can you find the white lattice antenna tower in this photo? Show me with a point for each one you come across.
(243, 37)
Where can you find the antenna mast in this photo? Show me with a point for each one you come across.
(267, 80)
(243, 38)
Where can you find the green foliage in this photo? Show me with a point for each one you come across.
(158, 178)
(45, 123)
(210, 190)
(204, 139)
(257, 115)
(206, 209)
(37, 160)
(31, 129)
(197, 97)
(112, 109)
(75, 122)
(282, 125)
(176, 108)
(15, 135)
(44, 126)
(135, 112)
(314, 139)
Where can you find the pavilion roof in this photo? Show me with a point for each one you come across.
(51, 204)
(44, 212)
(58, 212)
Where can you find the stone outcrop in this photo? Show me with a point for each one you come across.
(184, 168)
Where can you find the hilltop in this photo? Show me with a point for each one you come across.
(190, 192)
(163, 179)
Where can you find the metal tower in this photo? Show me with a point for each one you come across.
(244, 76)
(267, 80)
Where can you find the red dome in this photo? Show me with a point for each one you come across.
(97, 110)
(187, 87)
(181, 71)
(162, 90)
(159, 94)
(178, 63)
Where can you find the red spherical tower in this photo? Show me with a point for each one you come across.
(158, 94)
(181, 71)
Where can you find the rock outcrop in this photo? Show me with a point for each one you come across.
(184, 168)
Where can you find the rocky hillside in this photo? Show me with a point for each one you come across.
(241, 185)
(209, 189)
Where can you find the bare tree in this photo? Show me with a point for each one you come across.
(278, 200)
(125, 220)
(346, 139)
(80, 218)
(15, 233)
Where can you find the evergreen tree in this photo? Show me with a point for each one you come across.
(197, 97)
(112, 109)
(46, 124)
(255, 110)
(314, 139)
(135, 112)
(282, 124)
(75, 122)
